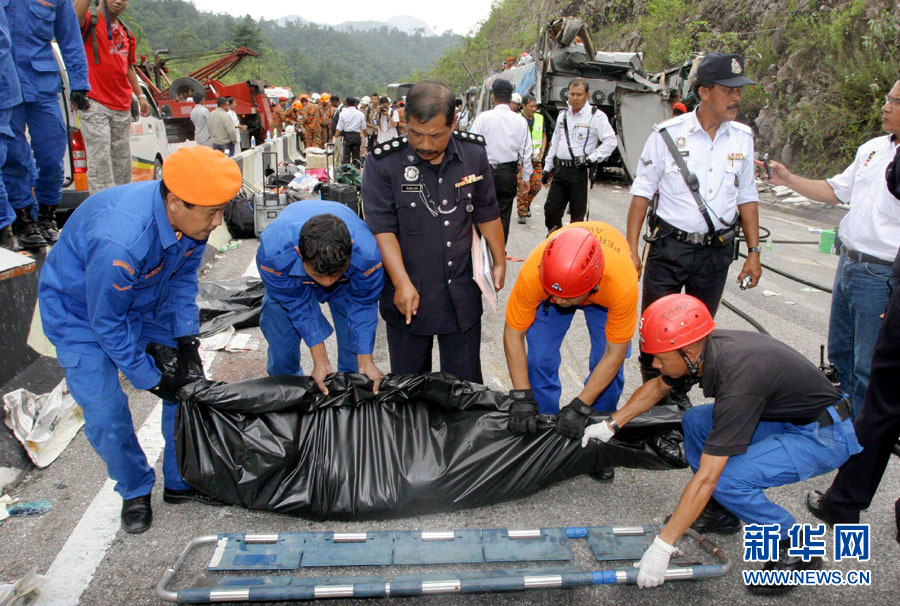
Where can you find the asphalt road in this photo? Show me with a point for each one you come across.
(91, 562)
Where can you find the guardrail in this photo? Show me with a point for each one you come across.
(254, 162)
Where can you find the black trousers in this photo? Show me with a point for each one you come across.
(672, 266)
(569, 187)
(505, 185)
(460, 352)
(877, 427)
(352, 143)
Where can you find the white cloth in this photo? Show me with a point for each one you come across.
(506, 137)
(590, 135)
(234, 118)
(386, 131)
(873, 224)
(724, 168)
(598, 431)
(351, 120)
(199, 116)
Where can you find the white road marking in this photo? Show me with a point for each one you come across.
(73, 569)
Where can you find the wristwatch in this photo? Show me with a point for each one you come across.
(752, 249)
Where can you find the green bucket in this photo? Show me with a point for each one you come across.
(826, 242)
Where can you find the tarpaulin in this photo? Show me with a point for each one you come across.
(234, 302)
(425, 443)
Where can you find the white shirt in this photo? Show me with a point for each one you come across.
(585, 132)
(386, 131)
(351, 120)
(234, 117)
(199, 115)
(506, 137)
(873, 224)
(724, 168)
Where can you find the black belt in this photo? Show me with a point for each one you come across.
(843, 410)
(566, 163)
(860, 257)
(501, 165)
(667, 229)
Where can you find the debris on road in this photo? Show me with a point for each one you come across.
(44, 424)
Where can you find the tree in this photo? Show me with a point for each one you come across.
(246, 33)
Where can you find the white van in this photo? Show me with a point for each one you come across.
(149, 144)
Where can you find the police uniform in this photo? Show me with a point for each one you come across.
(590, 135)
(33, 24)
(12, 96)
(119, 278)
(683, 256)
(432, 210)
(290, 309)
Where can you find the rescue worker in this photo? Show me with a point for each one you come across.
(320, 252)
(507, 142)
(12, 96)
(584, 266)
(325, 120)
(311, 116)
(870, 235)
(692, 246)
(33, 25)
(278, 115)
(775, 420)
(515, 103)
(583, 137)
(538, 135)
(124, 276)
(423, 196)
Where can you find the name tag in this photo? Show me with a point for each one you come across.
(414, 188)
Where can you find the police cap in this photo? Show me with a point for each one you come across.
(727, 70)
(502, 86)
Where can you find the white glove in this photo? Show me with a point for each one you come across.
(598, 431)
(654, 563)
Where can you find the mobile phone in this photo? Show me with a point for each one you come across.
(768, 168)
(745, 283)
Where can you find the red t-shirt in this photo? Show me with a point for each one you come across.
(109, 77)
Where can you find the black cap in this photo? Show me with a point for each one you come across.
(502, 86)
(727, 70)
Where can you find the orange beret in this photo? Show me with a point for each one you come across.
(202, 176)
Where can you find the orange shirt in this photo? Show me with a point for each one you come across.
(617, 291)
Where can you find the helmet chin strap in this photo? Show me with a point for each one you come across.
(693, 367)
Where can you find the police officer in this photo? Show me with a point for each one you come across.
(313, 253)
(508, 143)
(692, 245)
(423, 195)
(12, 96)
(583, 137)
(33, 25)
(124, 276)
(775, 420)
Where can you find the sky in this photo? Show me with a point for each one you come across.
(460, 16)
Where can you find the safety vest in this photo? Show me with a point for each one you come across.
(537, 134)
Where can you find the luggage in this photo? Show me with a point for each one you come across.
(345, 194)
(239, 217)
(266, 208)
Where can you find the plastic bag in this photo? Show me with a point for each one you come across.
(423, 444)
(226, 303)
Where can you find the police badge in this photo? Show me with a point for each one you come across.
(411, 173)
(735, 66)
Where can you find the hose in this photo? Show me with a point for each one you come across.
(746, 317)
(792, 276)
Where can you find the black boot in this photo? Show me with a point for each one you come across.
(716, 519)
(26, 230)
(137, 516)
(785, 562)
(47, 223)
(7, 239)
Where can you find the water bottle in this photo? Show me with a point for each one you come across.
(268, 135)
(252, 141)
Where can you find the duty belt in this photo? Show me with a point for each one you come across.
(566, 163)
(860, 257)
(667, 229)
(501, 165)
(842, 408)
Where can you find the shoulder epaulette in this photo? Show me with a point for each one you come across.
(464, 135)
(671, 122)
(388, 147)
(742, 127)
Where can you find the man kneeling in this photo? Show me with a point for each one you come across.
(775, 420)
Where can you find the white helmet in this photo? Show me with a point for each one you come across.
(315, 97)
(517, 98)
(365, 100)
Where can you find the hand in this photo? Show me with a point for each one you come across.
(524, 186)
(638, 264)
(145, 106)
(751, 268)
(654, 563)
(499, 273)
(320, 371)
(545, 177)
(572, 419)
(167, 387)
(523, 412)
(368, 368)
(598, 431)
(79, 100)
(406, 300)
(189, 366)
(780, 173)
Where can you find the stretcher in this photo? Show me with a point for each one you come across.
(256, 554)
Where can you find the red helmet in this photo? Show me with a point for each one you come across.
(673, 322)
(572, 263)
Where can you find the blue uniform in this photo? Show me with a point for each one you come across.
(12, 96)
(291, 309)
(118, 279)
(33, 24)
(431, 209)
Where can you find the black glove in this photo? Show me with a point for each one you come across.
(189, 366)
(573, 419)
(167, 387)
(523, 412)
(79, 100)
(545, 177)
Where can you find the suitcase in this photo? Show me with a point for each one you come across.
(266, 208)
(345, 194)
